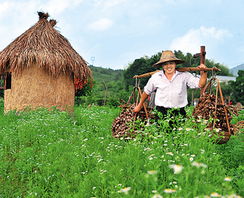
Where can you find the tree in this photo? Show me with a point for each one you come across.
(139, 66)
(238, 88)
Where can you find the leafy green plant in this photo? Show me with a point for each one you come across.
(54, 154)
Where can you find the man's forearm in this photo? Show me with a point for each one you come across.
(140, 105)
(143, 98)
(203, 79)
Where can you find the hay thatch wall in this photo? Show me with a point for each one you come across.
(34, 88)
(43, 65)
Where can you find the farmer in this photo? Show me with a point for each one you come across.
(171, 85)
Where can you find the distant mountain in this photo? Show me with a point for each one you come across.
(235, 70)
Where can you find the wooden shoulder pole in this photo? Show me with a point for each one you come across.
(181, 69)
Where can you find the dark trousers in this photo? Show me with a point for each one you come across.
(173, 113)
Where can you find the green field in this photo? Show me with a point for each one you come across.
(54, 154)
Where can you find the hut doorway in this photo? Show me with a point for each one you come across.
(8, 81)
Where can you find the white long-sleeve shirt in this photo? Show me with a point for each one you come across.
(171, 93)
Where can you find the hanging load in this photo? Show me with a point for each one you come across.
(123, 126)
(212, 106)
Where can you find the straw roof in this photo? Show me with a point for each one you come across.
(44, 46)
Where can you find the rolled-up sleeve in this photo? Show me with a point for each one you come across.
(192, 81)
(150, 86)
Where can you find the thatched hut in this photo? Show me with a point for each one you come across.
(39, 68)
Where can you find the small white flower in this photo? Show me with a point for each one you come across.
(147, 149)
(191, 159)
(125, 190)
(151, 157)
(152, 172)
(188, 129)
(205, 121)
(169, 190)
(227, 179)
(177, 168)
(157, 196)
(217, 129)
(103, 171)
(170, 153)
(180, 129)
(214, 194)
(198, 165)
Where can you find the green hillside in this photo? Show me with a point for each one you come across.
(106, 74)
(108, 87)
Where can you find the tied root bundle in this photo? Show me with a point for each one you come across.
(124, 126)
(213, 106)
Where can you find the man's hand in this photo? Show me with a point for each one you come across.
(140, 105)
(137, 108)
(202, 66)
(203, 76)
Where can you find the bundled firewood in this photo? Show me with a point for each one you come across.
(207, 109)
(211, 106)
(124, 125)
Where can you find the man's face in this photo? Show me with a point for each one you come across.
(169, 67)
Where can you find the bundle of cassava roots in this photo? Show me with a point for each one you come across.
(211, 107)
(124, 125)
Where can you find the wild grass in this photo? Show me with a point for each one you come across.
(53, 154)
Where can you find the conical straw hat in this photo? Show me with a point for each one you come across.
(166, 56)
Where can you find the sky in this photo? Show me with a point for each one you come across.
(113, 33)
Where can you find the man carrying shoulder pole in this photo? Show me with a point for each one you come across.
(171, 85)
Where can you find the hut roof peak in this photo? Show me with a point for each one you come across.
(43, 15)
(44, 46)
(52, 22)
